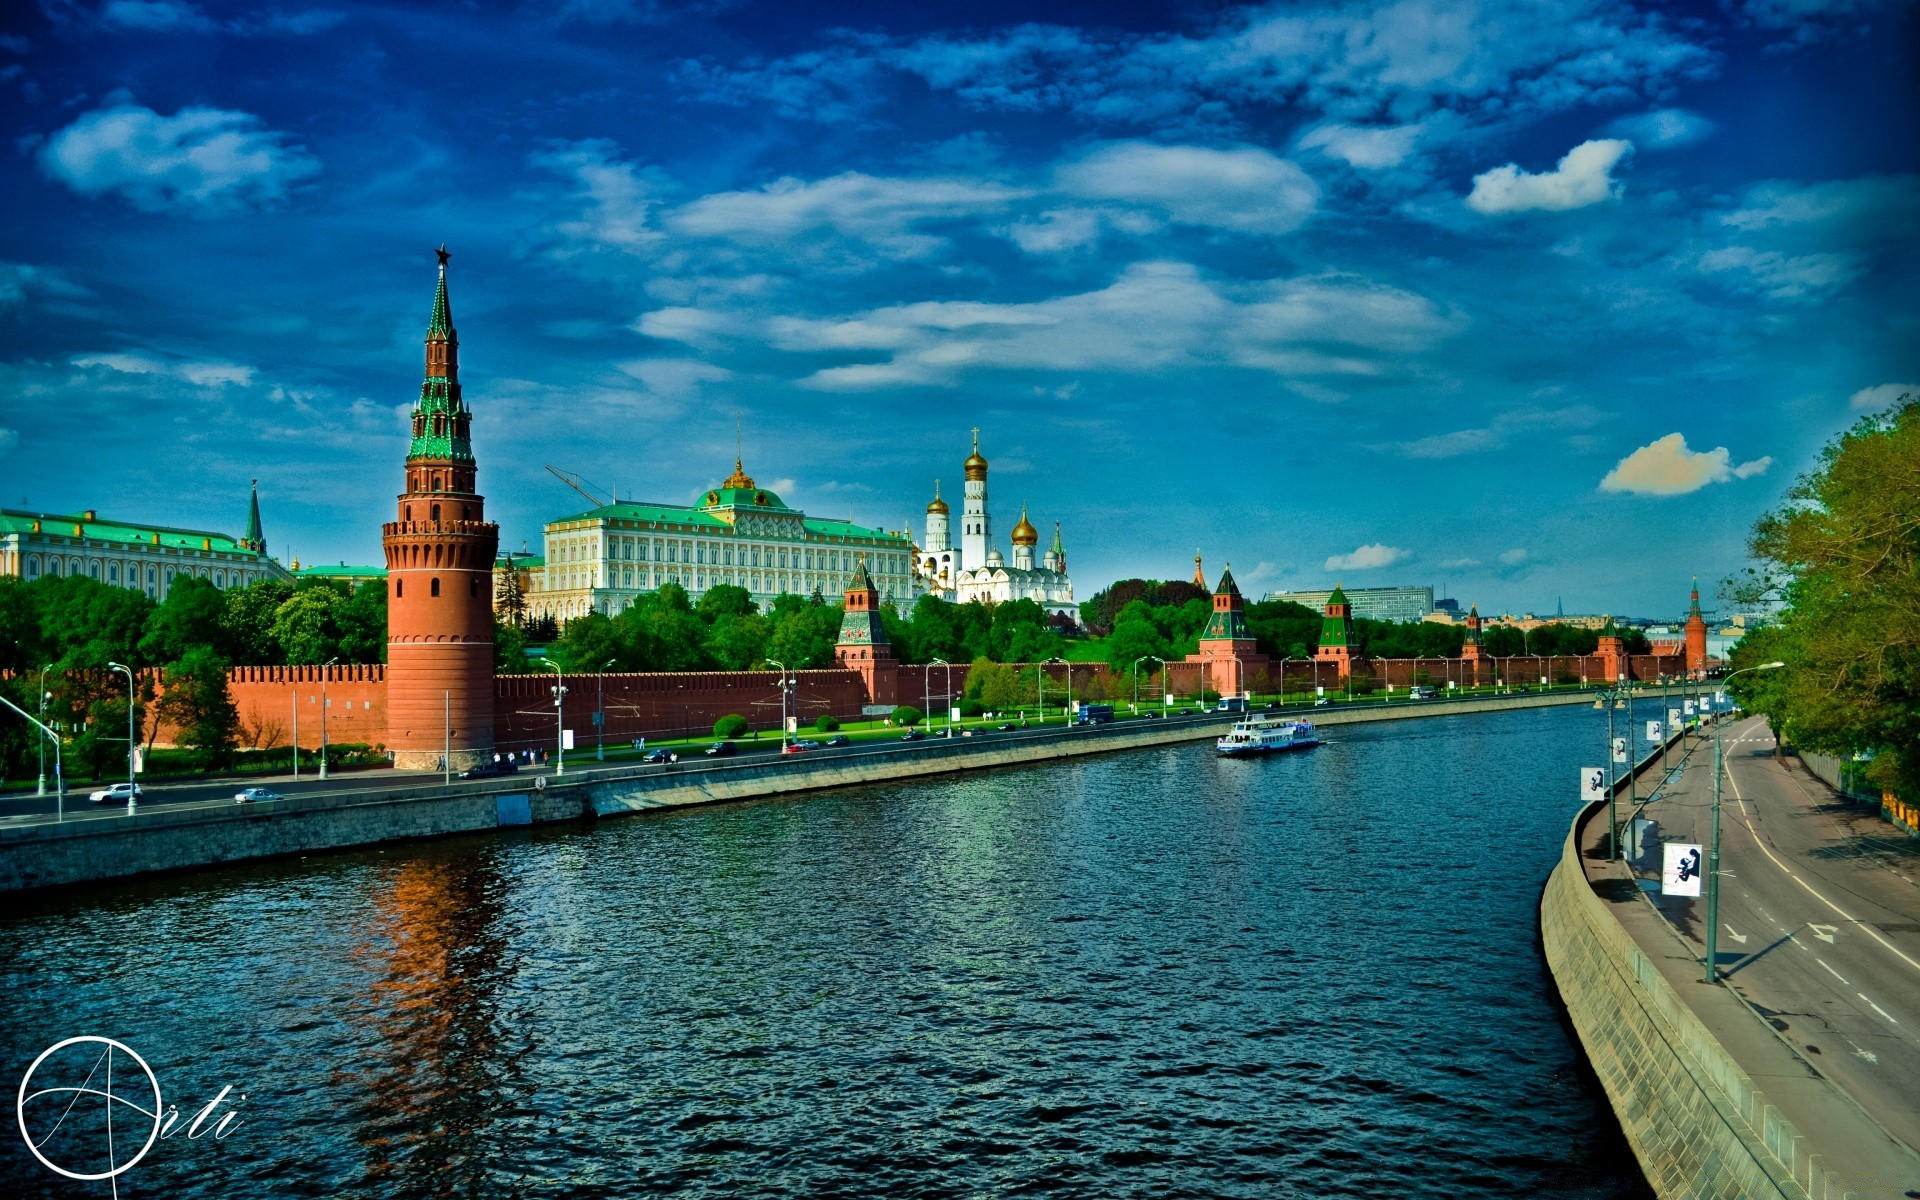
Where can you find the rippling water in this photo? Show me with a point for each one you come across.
(1150, 974)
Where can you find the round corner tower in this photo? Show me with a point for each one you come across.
(440, 556)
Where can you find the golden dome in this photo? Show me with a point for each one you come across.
(739, 478)
(976, 466)
(938, 505)
(1024, 534)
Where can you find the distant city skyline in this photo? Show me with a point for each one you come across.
(1529, 302)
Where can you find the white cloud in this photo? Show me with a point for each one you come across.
(9, 438)
(616, 199)
(199, 161)
(1153, 316)
(676, 377)
(694, 326)
(1370, 148)
(21, 281)
(1498, 433)
(1056, 230)
(1367, 558)
(881, 212)
(1513, 557)
(1665, 467)
(1663, 129)
(1459, 564)
(1782, 276)
(200, 374)
(1881, 395)
(1583, 177)
(1245, 189)
(154, 16)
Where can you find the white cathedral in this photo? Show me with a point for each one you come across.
(974, 570)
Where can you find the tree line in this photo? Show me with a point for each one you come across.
(1839, 563)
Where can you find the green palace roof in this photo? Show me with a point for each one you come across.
(80, 525)
(708, 519)
(342, 571)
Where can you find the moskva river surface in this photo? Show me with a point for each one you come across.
(1151, 974)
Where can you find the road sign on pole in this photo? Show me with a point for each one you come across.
(1686, 706)
(1620, 750)
(1653, 731)
(566, 739)
(1680, 874)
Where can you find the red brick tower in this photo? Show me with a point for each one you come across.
(1696, 635)
(863, 644)
(440, 576)
(1336, 633)
(1226, 644)
(1613, 655)
(1470, 650)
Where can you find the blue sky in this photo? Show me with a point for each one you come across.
(1535, 300)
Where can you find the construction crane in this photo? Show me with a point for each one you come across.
(579, 485)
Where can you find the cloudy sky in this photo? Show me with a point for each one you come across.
(1537, 300)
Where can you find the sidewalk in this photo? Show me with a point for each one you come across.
(1833, 1125)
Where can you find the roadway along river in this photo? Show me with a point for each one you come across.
(1147, 974)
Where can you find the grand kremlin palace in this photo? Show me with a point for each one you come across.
(738, 533)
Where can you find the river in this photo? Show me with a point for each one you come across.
(1148, 974)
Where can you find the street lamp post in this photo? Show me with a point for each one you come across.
(45, 696)
(1283, 678)
(783, 701)
(1136, 676)
(1713, 852)
(59, 778)
(559, 719)
(600, 712)
(132, 796)
(323, 713)
(943, 663)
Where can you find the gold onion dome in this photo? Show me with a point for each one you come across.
(938, 505)
(975, 465)
(1024, 534)
(739, 478)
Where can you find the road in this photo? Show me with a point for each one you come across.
(1819, 915)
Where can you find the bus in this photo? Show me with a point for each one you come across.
(1092, 714)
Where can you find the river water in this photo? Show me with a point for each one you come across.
(1149, 974)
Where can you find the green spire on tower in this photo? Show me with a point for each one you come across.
(441, 419)
(256, 540)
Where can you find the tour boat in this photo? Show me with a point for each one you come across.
(1260, 735)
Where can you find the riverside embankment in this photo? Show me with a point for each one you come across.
(187, 836)
(1713, 1101)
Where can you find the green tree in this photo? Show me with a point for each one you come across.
(826, 724)
(20, 648)
(197, 703)
(307, 626)
(84, 624)
(736, 641)
(587, 643)
(509, 649)
(193, 616)
(1843, 554)
(908, 716)
(249, 622)
(732, 725)
(725, 600)
(363, 624)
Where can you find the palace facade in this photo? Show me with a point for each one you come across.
(146, 558)
(737, 533)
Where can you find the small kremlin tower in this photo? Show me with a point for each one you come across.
(1336, 633)
(1227, 646)
(1470, 650)
(440, 556)
(863, 645)
(1696, 635)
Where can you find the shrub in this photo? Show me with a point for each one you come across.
(1363, 685)
(732, 725)
(971, 708)
(825, 723)
(908, 716)
(1566, 677)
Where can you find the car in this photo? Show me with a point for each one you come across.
(721, 750)
(1006, 726)
(912, 735)
(119, 793)
(487, 770)
(1186, 712)
(658, 756)
(1151, 716)
(1321, 702)
(839, 739)
(254, 795)
(800, 747)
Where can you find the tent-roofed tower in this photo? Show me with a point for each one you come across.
(255, 539)
(440, 558)
(863, 645)
(1696, 634)
(1227, 646)
(1336, 633)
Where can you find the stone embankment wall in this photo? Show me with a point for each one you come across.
(1695, 1120)
(171, 838)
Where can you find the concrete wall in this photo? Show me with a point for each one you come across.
(1695, 1120)
(168, 837)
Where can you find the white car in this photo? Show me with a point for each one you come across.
(252, 794)
(119, 793)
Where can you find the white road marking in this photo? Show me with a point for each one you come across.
(1824, 932)
(1738, 937)
(1875, 1007)
(1865, 928)
(1834, 973)
(1869, 1055)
